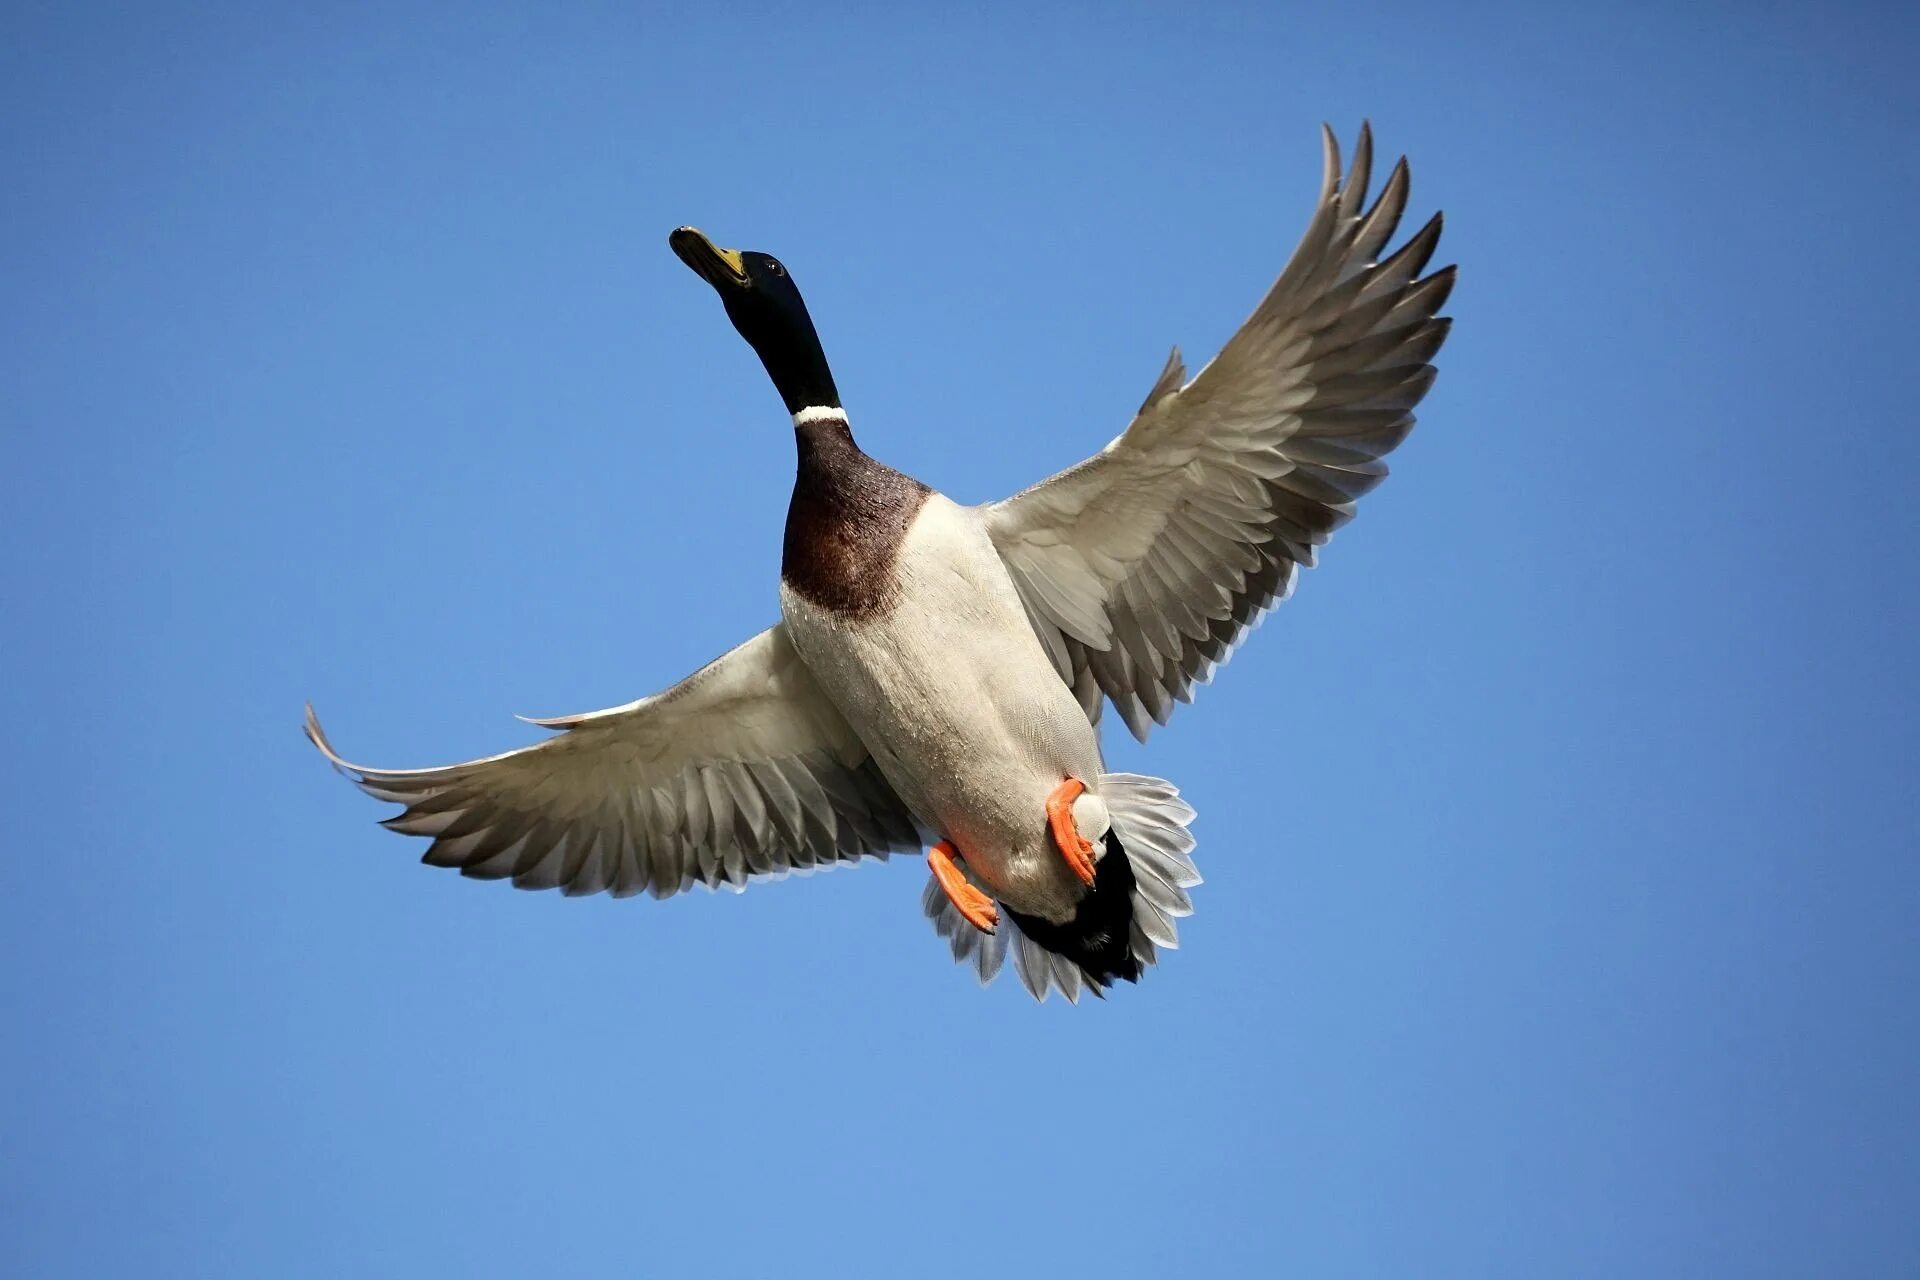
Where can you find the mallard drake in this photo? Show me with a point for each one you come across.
(938, 672)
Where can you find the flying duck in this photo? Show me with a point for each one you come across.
(938, 673)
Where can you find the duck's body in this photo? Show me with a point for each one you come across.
(939, 671)
(940, 674)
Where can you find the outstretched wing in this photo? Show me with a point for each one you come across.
(1144, 565)
(741, 771)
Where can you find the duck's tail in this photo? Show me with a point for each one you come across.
(1139, 890)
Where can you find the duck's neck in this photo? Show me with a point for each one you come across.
(820, 420)
(790, 349)
(823, 440)
(831, 467)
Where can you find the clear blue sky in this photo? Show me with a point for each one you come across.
(1562, 894)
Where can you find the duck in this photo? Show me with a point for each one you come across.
(939, 672)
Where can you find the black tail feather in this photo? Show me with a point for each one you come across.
(1099, 938)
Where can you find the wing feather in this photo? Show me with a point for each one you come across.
(740, 772)
(1143, 566)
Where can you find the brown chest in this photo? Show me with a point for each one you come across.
(845, 525)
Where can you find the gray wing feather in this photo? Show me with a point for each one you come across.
(1142, 567)
(741, 772)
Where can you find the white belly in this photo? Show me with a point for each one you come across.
(964, 714)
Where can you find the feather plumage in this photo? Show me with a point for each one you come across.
(741, 772)
(1143, 566)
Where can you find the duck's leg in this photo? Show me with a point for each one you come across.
(976, 906)
(1077, 852)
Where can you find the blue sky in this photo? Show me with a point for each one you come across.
(1562, 893)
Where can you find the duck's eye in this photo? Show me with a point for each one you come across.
(773, 265)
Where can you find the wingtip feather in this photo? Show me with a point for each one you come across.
(318, 737)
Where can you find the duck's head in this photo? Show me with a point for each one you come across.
(765, 306)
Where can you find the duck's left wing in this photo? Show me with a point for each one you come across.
(742, 771)
(1143, 566)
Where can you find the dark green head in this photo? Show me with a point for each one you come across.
(766, 307)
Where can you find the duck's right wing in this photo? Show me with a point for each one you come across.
(1144, 565)
(742, 771)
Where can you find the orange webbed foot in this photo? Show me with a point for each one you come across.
(975, 906)
(1066, 836)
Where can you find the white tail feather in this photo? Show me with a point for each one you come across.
(1151, 821)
